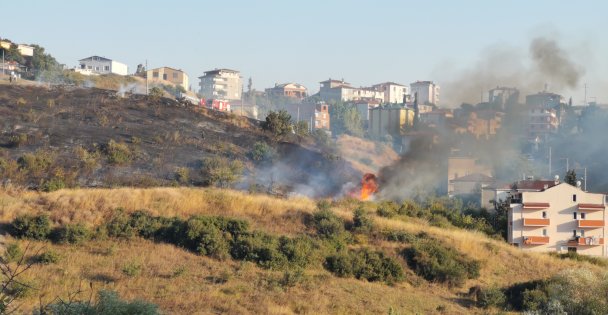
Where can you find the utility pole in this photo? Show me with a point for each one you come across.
(550, 170)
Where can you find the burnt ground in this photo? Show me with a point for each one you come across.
(161, 135)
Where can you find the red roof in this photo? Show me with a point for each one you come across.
(540, 205)
(534, 184)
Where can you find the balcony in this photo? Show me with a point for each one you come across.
(586, 241)
(536, 222)
(590, 207)
(590, 223)
(536, 240)
(535, 205)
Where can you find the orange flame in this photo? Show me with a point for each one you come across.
(369, 186)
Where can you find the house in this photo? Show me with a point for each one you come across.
(484, 124)
(492, 195)
(221, 84)
(101, 65)
(26, 50)
(394, 93)
(437, 117)
(292, 90)
(560, 218)
(315, 114)
(339, 90)
(364, 106)
(427, 91)
(391, 121)
(168, 75)
(321, 118)
(459, 167)
(470, 184)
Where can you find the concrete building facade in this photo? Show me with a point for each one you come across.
(166, 74)
(339, 90)
(101, 65)
(427, 91)
(293, 90)
(560, 218)
(542, 123)
(389, 121)
(394, 93)
(221, 84)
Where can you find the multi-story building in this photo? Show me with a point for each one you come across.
(338, 90)
(503, 96)
(461, 166)
(394, 93)
(101, 65)
(559, 218)
(221, 84)
(427, 91)
(484, 124)
(544, 99)
(321, 118)
(437, 117)
(542, 122)
(26, 50)
(364, 106)
(170, 75)
(389, 121)
(293, 90)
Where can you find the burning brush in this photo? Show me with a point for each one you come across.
(369, 186)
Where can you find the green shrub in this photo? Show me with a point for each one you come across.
(365, 264)
(534, 300)
(328, 224)
(13, 252)
(132, 269)
(435, 262)
(261, 248)
(107, 302)
(221, 172)
(204, 237)
(291, 277)
(118, 153)
(575, 256)
(182, 175)
(298, 250)
(37, 227)
(262, 152)
(399, 236)
(145, 225)
(48, 257)
(53, 184)
(387, 209)
(119, 225)
(362, 222)
(72, 234)
(491, 297)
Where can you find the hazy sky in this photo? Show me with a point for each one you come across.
(364, 42)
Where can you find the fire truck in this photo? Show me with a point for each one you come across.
(216, 104)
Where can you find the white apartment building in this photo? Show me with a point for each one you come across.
(221, 84)
(394, 93)
(338, 90)
(428, 92)
(542, 122)
(559, 218)
(101, 65)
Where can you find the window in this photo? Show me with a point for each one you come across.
(155, 74)
(96, 68)
(175, 75)
(164, 76)
(544, 214)
(583, 215)
(574, 215)
(574, 198)
(582, 233)
(544, 232)
(574, 233)
(107, 68)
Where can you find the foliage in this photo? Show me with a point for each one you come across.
(119, 225)
(182, 175)
(13, 252)
(118, 153)
(205, 237)
(365, 264)
(362, 222)
(277, 123)
(107, 303)
(36, 227)
(570, 177)
(72, 234)
(301, 128)
(48, 257)
(345, 119)
(156, 92)
(434, 261)
(491, 297)
(328, 224)
(17, 140)
(221, 172)
(575, 256)
(132, 269)
(53, 184)
(262, 152)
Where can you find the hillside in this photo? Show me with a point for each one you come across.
(65, 136)
(181, 281)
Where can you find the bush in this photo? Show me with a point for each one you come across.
(221, 172)
(35, 227)
(48, 257)
(399, 236)
(277, 123)
(328, 224)
(53, 184)
(204, 237)
(261, 248)
(17, 140)
(132, 269)
(108, 302)
(119, 225)
(262, 152)
(73, 234)
(182, 175)
(387, 209)
(433, 261)
(362, 222)
(365, 264)
(491, 297)
(13, 253)
(298, 251)
(118, 153)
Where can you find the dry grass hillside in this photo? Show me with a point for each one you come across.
(366, 156)
(182, 282)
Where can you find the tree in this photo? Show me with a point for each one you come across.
(345, 119)
(221, 172)
(570, 177)
(301, 128)
(277, 123)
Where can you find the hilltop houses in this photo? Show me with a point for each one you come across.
(221, 84)
(168, 75)
(95, 65)
(292, 90)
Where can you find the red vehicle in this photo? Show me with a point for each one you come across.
(215, 104)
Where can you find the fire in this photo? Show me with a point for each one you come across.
(369, 186)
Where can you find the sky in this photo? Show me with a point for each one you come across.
(362, 42)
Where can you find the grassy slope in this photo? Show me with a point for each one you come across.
(248, 289)
(365, 156)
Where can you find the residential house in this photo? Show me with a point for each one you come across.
(393, 121)
(221, 84)
(165, 75)
(101, 65)
(470, 184)
(497, 194)
(561, 218)
(321, 118)
(292, 90)
(339, 90)
(427, 91)
(26, 50)
(394, 93)
(503, 96)
(437, 117)
(364, 106)
(461, 166)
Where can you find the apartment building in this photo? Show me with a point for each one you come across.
(364, 106)
(321, 118)
(427, 91)
(484, 124)
(292, 90)
(544, 99)
(503, 96)
(542, 123)
(101, 65)
(168, 75)
(559, 218)
(221, 84)
(389, 121)
(339, 90)
(394, 93)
